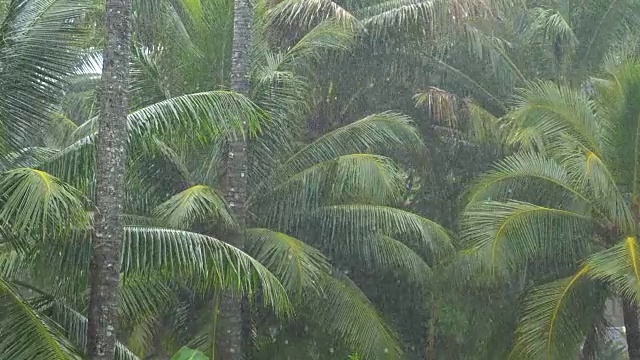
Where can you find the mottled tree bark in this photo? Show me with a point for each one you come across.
(231, 317)
(632, 328)
(111, 158)
(590, 345)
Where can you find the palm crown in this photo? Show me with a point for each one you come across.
(566, 201)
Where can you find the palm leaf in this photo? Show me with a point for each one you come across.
(27, 334)
(308, 12)
(35, 203)
(75, 327)
(344, 312)
(533, 177)
(516, 232)
(206, 114)
(353, 178)
(197, 204)
(33, 69)
(555, 317)
(190, 258)
(556, 111)
(620, 266)
(298, 265)
(346, 229)
(377, 133)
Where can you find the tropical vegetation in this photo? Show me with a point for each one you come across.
(293, 179)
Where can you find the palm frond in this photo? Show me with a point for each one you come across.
(186, 257)
(197, 204)
(26, 333)
(33, 69)
(200, 116)
(556, 317)
(353, 178)
(75, 328)
(516, 232)
(533, 177)
(213, 112)
(308, 12)
(327, 36)
(25, 158)
(141, 298)
(618, 266)
(36, 203)
(344, 312)
(378, 133)
(298, 265)
(624, 120)
(345, 229)
(557, 111)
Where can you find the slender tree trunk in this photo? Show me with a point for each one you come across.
(111, 157)
(431, 336)
(590, 346)
(632, 328)
(230, 346)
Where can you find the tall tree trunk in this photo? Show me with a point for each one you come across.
(111, 158)
(632, 328)
(590, 345)
(230, 346)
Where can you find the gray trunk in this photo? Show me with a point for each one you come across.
(111, 158)
(230, 344)
(632, 328)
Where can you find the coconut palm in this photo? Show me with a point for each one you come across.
(566, 203)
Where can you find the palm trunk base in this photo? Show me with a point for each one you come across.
(230, 335)
(632, 328)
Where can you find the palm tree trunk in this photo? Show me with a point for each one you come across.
(589, 347)
(632, 328)
(111, 157)
(431, 336)
(230, 346)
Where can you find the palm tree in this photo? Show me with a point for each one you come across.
(564, 204)
(44, 282)
(46, 319)
(110, 187)
(236, 175)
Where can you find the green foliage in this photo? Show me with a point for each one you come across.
(189, 354)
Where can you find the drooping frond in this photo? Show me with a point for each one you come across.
(440, 104)
(556, 317)
(75, 328)
(385, 252)
(557, 111)
(213, 112)
(327, 36)
(200, 116)
(36, 203)
(556, 29)
(345, 313)
(624, 117)
(32, 69)
(533, 177)
(25, 158)
(26, 334)
(619, 266)
(353, 178)
(306, 12)
(140, 298)
(384, 134)
(343, 229)
(191, 258)
(516, 232)
(298, 265)
(197, 204)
